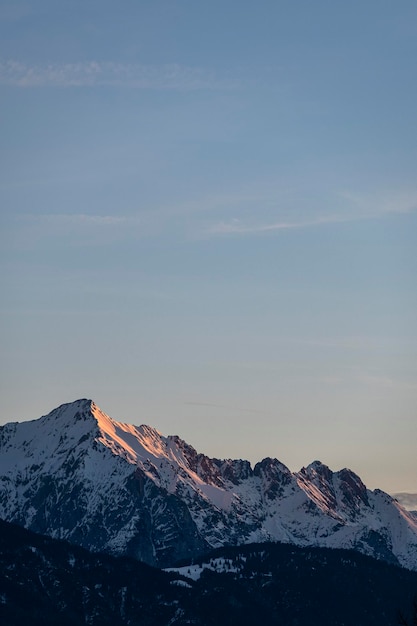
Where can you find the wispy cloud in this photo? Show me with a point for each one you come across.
(98, 73)
(237, 226)
(78, 219)
(27, 231)
(362, 207)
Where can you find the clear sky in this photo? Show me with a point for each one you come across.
(209, 223)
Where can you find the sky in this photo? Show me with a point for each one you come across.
(209, 223)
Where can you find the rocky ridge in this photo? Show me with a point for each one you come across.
(78, 475)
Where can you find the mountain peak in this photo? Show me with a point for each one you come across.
(316, 468)
(80, 475)
(71, 411)
(82, 404)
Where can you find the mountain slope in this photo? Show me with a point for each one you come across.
(248, 585)
(44, 582)
(76, 474)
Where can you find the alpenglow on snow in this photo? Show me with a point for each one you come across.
(77, 474)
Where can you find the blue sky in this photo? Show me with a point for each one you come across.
(209, 223)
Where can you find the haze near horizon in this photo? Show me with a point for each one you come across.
(209, 224)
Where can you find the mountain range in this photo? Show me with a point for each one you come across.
(76, 474)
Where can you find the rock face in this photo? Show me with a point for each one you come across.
(76, 474)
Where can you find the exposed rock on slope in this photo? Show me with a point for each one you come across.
(77, 474)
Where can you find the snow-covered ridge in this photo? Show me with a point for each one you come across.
(80, 475)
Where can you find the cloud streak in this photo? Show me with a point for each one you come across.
(238, 227)
(78, 219)
(111, 74)
(362, 208)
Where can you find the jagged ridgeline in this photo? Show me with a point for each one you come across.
(78, 475)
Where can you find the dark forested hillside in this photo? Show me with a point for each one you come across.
(44, 581)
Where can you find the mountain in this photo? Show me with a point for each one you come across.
(78, 475)
(44, 582)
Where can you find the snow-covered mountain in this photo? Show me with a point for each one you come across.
(77, 474)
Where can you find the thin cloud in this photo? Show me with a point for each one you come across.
(78, 218)
(362, 208)
(236, 226)
(97, 73)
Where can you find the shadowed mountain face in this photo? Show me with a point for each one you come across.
(45, 582)
(76, 474)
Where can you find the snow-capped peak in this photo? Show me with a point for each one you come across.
(132, 442)
(78, 474)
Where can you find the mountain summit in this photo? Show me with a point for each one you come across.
(79, 475)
